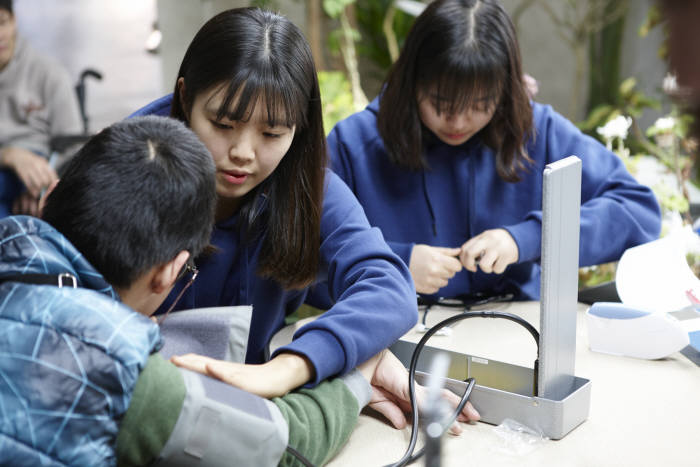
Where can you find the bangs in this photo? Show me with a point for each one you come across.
(455, 82)
(285, 103)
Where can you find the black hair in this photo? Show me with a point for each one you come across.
(252, 54)
(134, 196)
(463, 54)
(6, 5)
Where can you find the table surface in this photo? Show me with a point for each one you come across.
(642, 412)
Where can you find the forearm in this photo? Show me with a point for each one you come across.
(321, 419)
(291, 370)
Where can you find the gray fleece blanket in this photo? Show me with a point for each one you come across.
(220, 333)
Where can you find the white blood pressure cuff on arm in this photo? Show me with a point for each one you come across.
(222, 425)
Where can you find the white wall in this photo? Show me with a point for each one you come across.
(551, 61)
(109, 36)
(179, 21)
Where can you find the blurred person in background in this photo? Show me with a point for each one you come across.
(37, 101)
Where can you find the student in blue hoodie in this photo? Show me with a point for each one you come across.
(247, 87)
(83, 382)
(448, 162)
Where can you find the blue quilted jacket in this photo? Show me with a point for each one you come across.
(69, 358)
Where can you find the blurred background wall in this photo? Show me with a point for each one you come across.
(109, 35)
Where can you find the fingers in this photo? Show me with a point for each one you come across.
(455, 429)
(34, 171)
(392, 413)
(491, 251)
(218, 371)
(430, 286)
(204, 365)
(468, 413)
(471, 255)
(451, 266)
(31, 206)
(487, 260)
(26, 204)
(32, 181)
(500, 265)
(432, 267)
(191, 362)
(448, 251)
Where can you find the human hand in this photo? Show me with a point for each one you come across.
(33, 170)
(431, 267)
(492, 250)
(26, 204)
(390, 392)
(271, 379)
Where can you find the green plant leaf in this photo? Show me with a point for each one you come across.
(627, 86)
(334, 8)
(597, 117)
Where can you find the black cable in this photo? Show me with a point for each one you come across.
(463, 401)
(408, 456)
(465, 302)
(299, 457)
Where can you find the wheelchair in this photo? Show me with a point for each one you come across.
(64, 145)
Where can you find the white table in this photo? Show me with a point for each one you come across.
(642, 413)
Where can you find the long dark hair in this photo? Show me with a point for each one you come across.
(255, 54)
(459, 51)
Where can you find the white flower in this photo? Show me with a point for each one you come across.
(669, 85)
(672, 222)
(615, 128)
(665, 124)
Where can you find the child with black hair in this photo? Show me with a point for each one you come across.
(448, 162)
(131, 209)
(82, 382)
(248, 88)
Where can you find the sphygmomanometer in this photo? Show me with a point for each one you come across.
(409, 455)
(220, 424)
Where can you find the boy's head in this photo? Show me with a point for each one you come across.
(136, 195)
(8, 32)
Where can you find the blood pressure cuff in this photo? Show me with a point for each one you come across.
(223, 425)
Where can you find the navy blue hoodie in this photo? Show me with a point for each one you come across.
(461, 195)
(373, 301)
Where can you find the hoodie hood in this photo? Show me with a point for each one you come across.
(374, 105)
(31, 246)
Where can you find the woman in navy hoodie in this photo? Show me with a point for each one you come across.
(448, 162)
(247, 86)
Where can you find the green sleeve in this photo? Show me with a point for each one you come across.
(320, 420)
(154, 409)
